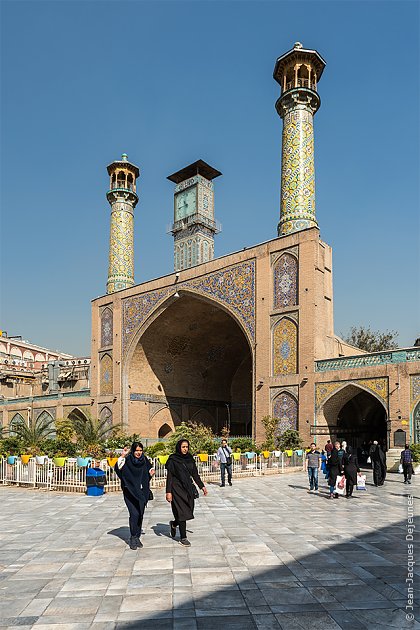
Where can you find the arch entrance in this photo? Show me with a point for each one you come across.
(357, 416)
(194, 359)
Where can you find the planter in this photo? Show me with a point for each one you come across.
(60, 461)
(163, 459)
(266, 454)
(11, 459)
(289, 453)
(82, 462)
(299, 453)
(112, 461)
(236, 456)
(25, 459)
(41, 459)
(250, 454)
(203, 457)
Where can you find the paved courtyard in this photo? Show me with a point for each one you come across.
(265, 554)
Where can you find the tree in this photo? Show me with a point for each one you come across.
(90, 431)
(33, 435)
(200, 437)
(372, 340)
(289, 440)
(270, 425)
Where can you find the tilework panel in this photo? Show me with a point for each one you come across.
(136, 309)
(121, 248)
(234, 288)
(285, 275)
(415, 388)
(106, 384)
(285, 347)
(106, 327)
(285, 409)
(378, 386)
(324, 391)
(106, 415)
(298, 172)
(363, 360)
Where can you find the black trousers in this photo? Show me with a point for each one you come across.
(407, 468)
(135, 511)
(350, 486)
(181, 524)
(223, 469)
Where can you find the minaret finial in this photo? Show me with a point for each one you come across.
(298, 72)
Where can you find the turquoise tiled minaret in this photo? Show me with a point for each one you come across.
(298, 72)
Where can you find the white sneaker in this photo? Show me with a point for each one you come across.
(316, 491)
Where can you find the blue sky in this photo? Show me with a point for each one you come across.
(172, 82)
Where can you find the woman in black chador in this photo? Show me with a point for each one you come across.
(351, 468)
(334, 469)
(180, 489)
(379, 465)
(135, 470)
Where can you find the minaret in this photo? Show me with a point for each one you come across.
(123, 199)
(194, 224)
(298, 72)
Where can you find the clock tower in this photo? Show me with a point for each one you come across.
(194, 224)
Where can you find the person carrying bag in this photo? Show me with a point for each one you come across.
(224, 456)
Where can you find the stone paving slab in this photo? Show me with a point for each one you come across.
(265, 554)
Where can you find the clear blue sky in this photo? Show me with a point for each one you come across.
(172, 82)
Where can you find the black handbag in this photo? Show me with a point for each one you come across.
(196, 494)
(228, 457)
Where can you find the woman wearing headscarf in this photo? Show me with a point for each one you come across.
(180, 489)
(135, 471)
(351, 468)
(378, 464)
(334, 469)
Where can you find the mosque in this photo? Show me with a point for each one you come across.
(226, 341)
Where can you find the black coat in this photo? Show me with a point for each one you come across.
(135, 477)
(180, 469)
(334, 467)
(350, 468)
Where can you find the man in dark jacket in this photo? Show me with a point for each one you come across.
(407, 463)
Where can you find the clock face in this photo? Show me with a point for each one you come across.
(185, 203)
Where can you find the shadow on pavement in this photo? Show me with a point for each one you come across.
(121, 532)
(355, 584)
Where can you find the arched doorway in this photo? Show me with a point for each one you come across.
(194, 357)
(357, 416)
(164, 430)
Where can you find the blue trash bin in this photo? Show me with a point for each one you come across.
(95, 482)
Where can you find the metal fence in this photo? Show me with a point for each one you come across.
(72, 478)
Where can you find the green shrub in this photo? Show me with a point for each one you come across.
(289, 440)
(12, 445)
(243, 444)
(52, 446)
(200, 437)
(159, 448)
(415, 449)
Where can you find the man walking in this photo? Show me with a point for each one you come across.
(312, 466)
(224, 456)
(407, 463)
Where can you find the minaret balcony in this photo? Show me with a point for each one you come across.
(194, 219)
(305, 83)
(122, 186)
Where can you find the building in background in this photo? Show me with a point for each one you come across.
(229, 340)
